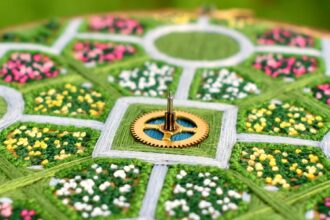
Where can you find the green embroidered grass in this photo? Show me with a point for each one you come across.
(125, 141)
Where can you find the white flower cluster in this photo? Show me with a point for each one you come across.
(225, 85)
(216, 199)
(150, 80)
(85, 194)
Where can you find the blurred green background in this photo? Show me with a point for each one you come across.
(312, 13)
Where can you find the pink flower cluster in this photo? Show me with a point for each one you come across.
(276, 65)
(322, 92)
(7, 211)
(279, 36)
(324, 209)
(327, 202)
(27, 214)
(96, 52)
(26, 67)
(115, 24)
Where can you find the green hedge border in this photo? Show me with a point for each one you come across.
(312, 202)
(3, 107)
(32, 29)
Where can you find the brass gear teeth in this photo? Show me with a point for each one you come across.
(140, 124)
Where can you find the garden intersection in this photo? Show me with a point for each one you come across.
(67, 102)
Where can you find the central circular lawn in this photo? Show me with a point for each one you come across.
(197, 45)
(3, 107)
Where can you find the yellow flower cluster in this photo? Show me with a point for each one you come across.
(282, 168)
(39, 146)
(239, 23)
(176, 18)
(283, 119)
(182, 19)
(70, 100)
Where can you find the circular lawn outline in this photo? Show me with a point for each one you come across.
(246, 48)
(197, 45)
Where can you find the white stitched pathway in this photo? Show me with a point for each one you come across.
(325, 145)
(154, 188)
(63, 121)
(15, 106)
(246, 47)
(228, 136)
(255, 138)
(187, 76)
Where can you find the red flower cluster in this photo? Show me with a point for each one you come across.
(115, 24)
(322, 92)
(277, 65)
(96, 52)
(26, 67)
(279, 36)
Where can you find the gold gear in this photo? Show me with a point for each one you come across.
(200, 132)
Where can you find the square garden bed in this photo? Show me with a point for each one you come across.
(125, 141)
